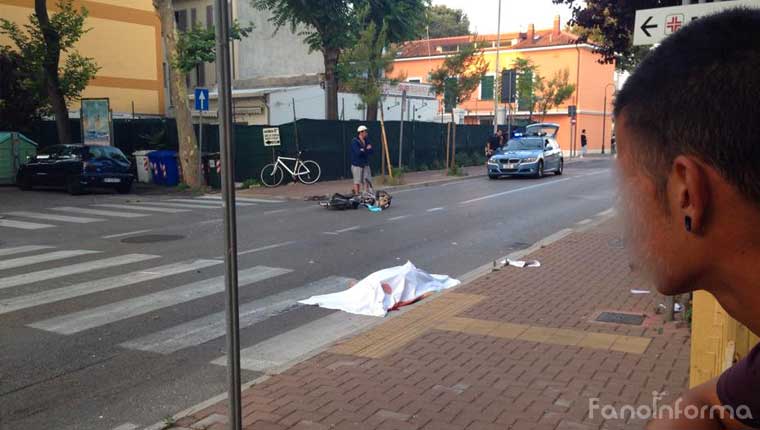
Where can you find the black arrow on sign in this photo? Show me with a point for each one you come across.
(646, 26)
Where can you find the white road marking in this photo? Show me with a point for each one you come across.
(98, 285)
(113, 312)
(276, 211)
(241, 199)
(396, 218)
(218, 203)
(23, 249)
(143, 208)
(264, 248)
(42, 258)
(45, 275)
(23, 225)
(435, 209)
(584, 222)
(516, 190)
(99, 212)
(180, 205)
(213, 326)
(300, 342)
(53, 217)
(126, 426)
(131, 233)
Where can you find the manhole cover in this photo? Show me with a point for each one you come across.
(152, 238)
(620, 318)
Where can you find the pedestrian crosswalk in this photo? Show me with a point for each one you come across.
(60, 216)
(144, 284)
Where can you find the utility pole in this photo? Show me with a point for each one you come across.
(226, 143)
(496, 72)
(604, 116)
(401, 132)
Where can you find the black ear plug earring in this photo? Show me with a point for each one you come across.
(687, 222)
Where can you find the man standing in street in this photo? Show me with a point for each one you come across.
(584, 142)
(691, 191)
(360, 152)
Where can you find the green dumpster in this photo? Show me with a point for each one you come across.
(15, 150)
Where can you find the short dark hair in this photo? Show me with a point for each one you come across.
(697, 94)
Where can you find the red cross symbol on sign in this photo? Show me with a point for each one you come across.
(673, 23)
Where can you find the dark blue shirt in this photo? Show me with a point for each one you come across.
(359, 153)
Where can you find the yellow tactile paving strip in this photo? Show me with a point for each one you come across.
(437, 314)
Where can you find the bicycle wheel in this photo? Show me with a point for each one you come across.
(271, 175)
(308, 172)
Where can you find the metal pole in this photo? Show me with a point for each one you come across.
(295, 125)
(200, 147)
(401, 132)
(604, 118)
(496, 73)
(226, 143)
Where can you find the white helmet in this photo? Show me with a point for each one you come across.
(361, 128)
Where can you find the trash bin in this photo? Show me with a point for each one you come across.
(142, 163)
(164, 168)
(15, 150)
(212, 169)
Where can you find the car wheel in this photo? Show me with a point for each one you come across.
(124, 188)
(540, 170)
(493, 177)
(561, 167)
(73, 186)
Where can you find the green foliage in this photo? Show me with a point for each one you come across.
(459, 75)
(329, 23)
(20, 104)
(609, 24)
(198, 45)
(456, 170)
(32, 51)
(251, 183)
(405, 18)
(554, 92)
(443, 21)
(423, 167)
(529, 84)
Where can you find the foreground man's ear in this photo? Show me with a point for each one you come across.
(689, 192)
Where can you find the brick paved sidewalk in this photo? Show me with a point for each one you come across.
(514, 349)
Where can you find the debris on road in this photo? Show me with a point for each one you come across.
(635, 291)
(384, 290)
(520, 263)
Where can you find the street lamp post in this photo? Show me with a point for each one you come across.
(604, 115)
(496, 72)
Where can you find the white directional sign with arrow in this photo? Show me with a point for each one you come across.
(653, 25)
(201, 99)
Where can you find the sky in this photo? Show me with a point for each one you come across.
(515, 14)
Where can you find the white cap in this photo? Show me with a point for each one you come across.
(361, 129)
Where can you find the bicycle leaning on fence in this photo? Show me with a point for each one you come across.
(306, 171)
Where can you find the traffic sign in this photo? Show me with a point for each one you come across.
(653, 25)
(201, 99)
(271, 136)
(572, 111)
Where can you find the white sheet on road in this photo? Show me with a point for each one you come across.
(405, 284)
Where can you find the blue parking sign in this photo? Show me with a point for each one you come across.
(201, 99)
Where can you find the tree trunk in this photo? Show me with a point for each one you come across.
(372, 111)
(50, 69)
(188, 143)
(331, 82)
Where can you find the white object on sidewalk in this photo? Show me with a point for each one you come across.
(634, 291)
(403, 285)
(520, 263)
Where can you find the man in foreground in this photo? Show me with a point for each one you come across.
(689, 149)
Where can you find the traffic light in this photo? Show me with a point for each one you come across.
(508, 85)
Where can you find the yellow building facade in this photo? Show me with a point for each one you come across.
(125, 42)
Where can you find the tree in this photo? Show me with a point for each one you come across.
(611, 22)
(459, 75)
(443, 21)
(329, 28)
(554, 92)
(198, 45)
(20, 103)
(385, 23)
(529, 85)
(40, 46)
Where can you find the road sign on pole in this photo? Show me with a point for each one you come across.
(271, 136)
(653, 25)
(201, 99)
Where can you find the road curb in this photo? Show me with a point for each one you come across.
(465, 279)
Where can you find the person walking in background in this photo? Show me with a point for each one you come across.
(584, 142)
(360, 152)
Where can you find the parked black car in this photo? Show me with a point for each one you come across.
(77, 168)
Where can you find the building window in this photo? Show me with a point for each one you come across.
(180, 17)
(200, 74)
(209, 16)
(193, 17)
(486, 88)
(414, 81)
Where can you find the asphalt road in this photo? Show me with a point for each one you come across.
(111, 307)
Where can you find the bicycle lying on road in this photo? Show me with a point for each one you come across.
(306, 171)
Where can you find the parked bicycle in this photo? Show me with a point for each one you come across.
(306, 171)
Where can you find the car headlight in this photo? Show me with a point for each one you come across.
(493, 161)
(529, 160)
